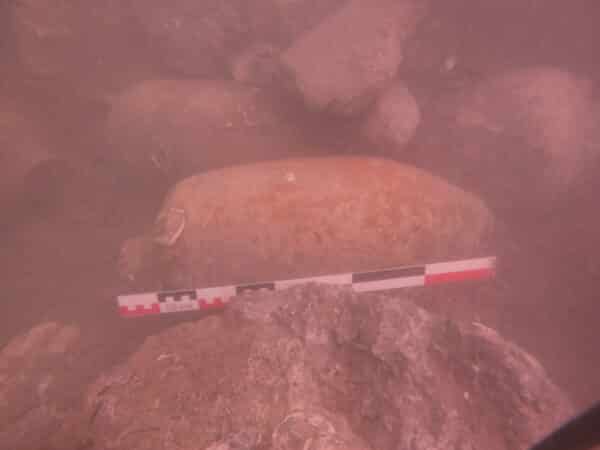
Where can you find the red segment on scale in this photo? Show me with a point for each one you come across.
(449, 277)
(140, 310)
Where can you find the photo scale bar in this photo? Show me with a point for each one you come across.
(137, 305)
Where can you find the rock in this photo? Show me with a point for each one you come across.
(39, 29)
(296, 17)
(341, 64)
(79, 42)
(244, 440)
(437, 38)
(34, 178)
(22, 149)
(181, 127)
(191, 37)
(315, 430)
(39, 407)
(198, 38)
(394, 119)
(187, 38)
(324, 368)
(495, 41)
(547, 110)
(47, 186)
(301, 217)
(257, 65)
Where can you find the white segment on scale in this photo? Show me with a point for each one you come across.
(460, 266)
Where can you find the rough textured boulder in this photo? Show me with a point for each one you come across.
(549, 110)
(37, 403)
(325, 368)
(394, 119)
(197, 38)
(340, 65)
(301, 217)
(181, 127)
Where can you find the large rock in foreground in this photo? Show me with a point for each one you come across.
(38, 405)
(301, 217)
(182, 127)
(340, 65)
(324, 368)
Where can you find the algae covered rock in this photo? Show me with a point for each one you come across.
(324, 368)
(302, 217)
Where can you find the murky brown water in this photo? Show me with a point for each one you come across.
(59, 263)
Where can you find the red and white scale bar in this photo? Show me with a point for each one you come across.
(135, 305)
